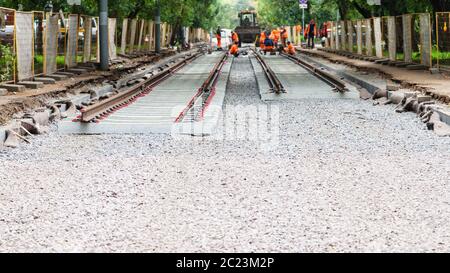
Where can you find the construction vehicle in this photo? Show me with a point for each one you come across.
(248, 29)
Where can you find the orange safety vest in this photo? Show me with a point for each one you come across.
(284, 34)
(307, 30)
(262, 38)
(290, 49)
(235, 37)
(234, 49)
(275, 35)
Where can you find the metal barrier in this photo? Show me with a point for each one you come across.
(7, 45)
(441, 54)
(402, 38)
(37, 43)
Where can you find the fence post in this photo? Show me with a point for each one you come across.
(123, 43)
(377, 31)
(350, 35)
(392, 38)
(150, 35)
(407, 37)
(359, 36)
(132, 35)
(343, 34)
(425, 39)
(112, 32)
(332, 43)
(368, 31)
(158, 27)
(141, 33)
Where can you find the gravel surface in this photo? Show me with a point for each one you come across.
(345, 176)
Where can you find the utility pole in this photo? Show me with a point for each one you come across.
(303, 5)
(158, 27)
(104, 54)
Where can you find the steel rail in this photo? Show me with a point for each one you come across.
(325, 76)
(120, 100)
(204, 93)
(274, 83)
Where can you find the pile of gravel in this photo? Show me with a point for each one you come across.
(344, 176)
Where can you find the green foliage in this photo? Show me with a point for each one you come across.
(287, 12)
(6, 63)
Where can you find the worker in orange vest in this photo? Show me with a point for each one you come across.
(290, 49)
(268, 45)
(311, 33)
(284, 36)
(298, 31)
(235, 49)
(219, 38)
(275, 36)
(234, 37)
(262, 38)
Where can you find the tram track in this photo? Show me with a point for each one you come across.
(144, 85)
(330, 79)
(197, 106)
(274, 83)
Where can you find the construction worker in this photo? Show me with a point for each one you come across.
(276, 36)
(234, 50)
(290, 49)
(311, 33)
(268, 45)
(298, 31)
(262, 38)
(284, 36)
(219, 38)
(234, 37)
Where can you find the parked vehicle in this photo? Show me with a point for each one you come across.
(7, 35)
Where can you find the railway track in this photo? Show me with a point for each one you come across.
(198, 104)
(330, 79)
(104, 108)
(274, 83)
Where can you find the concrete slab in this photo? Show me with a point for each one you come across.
(45, 80)
(87, 67)
(32, 85)
(3, 91)
(362, 80)
(65, 73)
(298, 82)
(13, 87)
(402, 64)
(57, 77)
(382, 61)
(423, 98)
(416, 67)
(77, 71)
(445, 115)
(2, 136)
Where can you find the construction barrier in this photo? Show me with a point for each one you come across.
(36, 43)
(7, 45)
(398, 38)
(442, 50)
